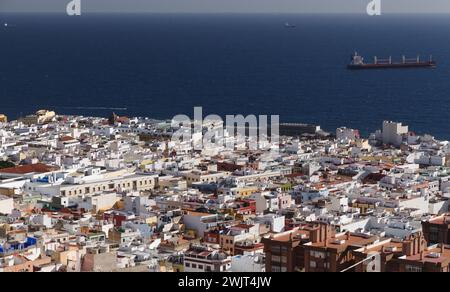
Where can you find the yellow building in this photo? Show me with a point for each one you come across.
(3, 118)
(151, 220)
(71, 258)
(203, 177)
(363, 207)
(246, 191)
(9, 192)
(41, 117)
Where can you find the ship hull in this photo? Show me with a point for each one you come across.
(392, 66)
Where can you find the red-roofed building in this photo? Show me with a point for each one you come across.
(22, 170)
(67, 142)
(203, 259)
(434, 259)
(285, 252)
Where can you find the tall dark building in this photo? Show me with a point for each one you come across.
(436, 230)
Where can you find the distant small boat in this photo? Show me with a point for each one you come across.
(288, 25)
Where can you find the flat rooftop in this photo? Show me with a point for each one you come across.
(25, 169)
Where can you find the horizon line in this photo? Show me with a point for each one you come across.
(230, 12)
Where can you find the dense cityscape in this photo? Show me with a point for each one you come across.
(93, 194)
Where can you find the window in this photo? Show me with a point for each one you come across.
(413, 269)
(200, 267)
(434, 237)
(276, 258)
(276, 269)
(312, 264)
(317, 254)
(188, 265)
(276, 249)
(194, 266)
(434, 229)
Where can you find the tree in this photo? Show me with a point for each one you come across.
(6, 164)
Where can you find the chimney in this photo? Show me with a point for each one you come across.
(348, 235)
(325, 235)
(319, 233)
(442, 248)
(421, 255)
(313, 235)
(407, 248)
(423, 243)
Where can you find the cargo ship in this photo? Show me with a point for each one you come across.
(357, 62)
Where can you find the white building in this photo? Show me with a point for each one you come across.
(202, 259)
(392, 133)
(6, 205)
(201, 222)
(346, 135)
(248, 263)
(275, 222)
(100, 202)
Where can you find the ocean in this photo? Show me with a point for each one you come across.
(161, 65)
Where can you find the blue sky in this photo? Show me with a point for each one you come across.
(218, 6)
